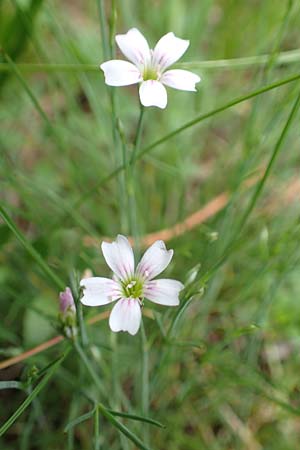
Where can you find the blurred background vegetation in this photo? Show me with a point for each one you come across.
(229, 377)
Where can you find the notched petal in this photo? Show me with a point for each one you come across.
(126, 316)
(168, 50)
(119, 257)
(153, 93)
(180, 79)
(163, 292)
(154, 260)
(134, 46)
(120, 73)
(98, 291)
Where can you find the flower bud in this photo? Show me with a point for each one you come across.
(66, 301)
(67, 314)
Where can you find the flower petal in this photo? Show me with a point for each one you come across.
(180, 79)
(120, 73)
(134, 46)
(154, 260)
(99, 291)
(119, 257)
(163, 292)
(153, 93)
(126, 316)
(168, 50)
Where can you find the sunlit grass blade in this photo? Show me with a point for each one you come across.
(33, 394)
(11, 385)
(31, 250)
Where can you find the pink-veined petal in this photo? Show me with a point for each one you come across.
(99, 291)
(119, 257)
(126, 316)
(153, 93)
(163, 292)
(134, 46)
(168, 50)
(154, 260)
(120, 73)
(180, 79)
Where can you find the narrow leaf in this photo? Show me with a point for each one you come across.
(32, 395)
(79, 420)
(184, 127)
(122, 428)
(138, 418)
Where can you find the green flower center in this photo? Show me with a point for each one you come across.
(132, 288)
(150, 74)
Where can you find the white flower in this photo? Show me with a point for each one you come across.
(149, 67)
(129, 285)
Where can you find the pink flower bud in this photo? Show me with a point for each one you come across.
(66, 301)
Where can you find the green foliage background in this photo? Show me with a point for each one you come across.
(227, 375)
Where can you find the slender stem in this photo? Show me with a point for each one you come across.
(103, 29)
(96, 430)
(107, 37)
(263, 180)
(131, 181)
(145, 371)
(138, 135)
(112, 27)
(74, 279)
(81, 324)
(184, 127)
(88, 366)
(221, 108)
(288, 57)
(257, 192)
(145, 379)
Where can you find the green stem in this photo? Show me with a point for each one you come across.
(134, 228)
(145, 379)
(75, 287)
(184, 127)
(88, 366)
(108, 52)
(138, 135)
(222, 108)
(96, 430)
(277, 148)
(231, 246)
(288, 57)
(145, 371)
(103, 29)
